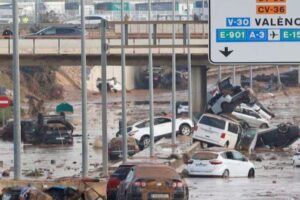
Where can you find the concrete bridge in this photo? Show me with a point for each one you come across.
(66, 51)
(39, 52)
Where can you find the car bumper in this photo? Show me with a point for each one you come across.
(215, 173)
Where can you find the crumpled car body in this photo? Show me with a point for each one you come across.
(23, 193)
(277, 137)
(115, 147)
(48, 129)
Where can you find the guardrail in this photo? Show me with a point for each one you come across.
(135, 42)
(93, 46)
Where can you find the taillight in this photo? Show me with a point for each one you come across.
(223, 135)
(113, 182)
(177, 184)
(140, 184)
(215, 162)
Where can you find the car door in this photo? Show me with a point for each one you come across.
(125, 185)
(143, 128)
(49, 32)
(231, 163)
(253, 118)
(233, 134)
(162, 126)
(242, 163)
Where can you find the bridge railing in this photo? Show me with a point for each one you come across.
(136, 36)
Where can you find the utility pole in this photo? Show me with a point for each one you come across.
(124, 99)
(104, 98)
(189, 63)
(85, 162)
(150, 68)
(173, 80)
(16, 83)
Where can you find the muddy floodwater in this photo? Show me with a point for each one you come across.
(276, 180)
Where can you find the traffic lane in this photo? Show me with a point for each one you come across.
(274, 180)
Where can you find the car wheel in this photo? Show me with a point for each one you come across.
(251, 173)
(264, 126)
(145, 141)
(225, 174)
(185, 129)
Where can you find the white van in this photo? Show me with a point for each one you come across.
(217, 130)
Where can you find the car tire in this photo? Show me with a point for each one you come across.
(225, 174)
(263, 126)
(185, 129)
(145, 141)
(251, 173)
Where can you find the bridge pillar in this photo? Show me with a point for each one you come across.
(199, 91)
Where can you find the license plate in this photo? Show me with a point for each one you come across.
(60, 138)
(159, 196)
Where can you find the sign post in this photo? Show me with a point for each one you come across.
(254, 31)
(5, 102)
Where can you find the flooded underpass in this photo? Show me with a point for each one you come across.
(275, 177)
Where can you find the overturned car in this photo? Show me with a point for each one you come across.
(47, 129)
(282, 136)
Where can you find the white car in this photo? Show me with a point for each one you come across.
(221, 163)
(89, 19)
(263, 112)
(183, 107)
(250, 117)
(112, 84)
(162, 127)
(296, 159)
(217, 130)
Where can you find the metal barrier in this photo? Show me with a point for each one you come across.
(136, 42)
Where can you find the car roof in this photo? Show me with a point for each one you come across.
(156, 171)
(215, 150)
(135, 123)
(221, 117)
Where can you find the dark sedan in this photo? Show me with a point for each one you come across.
(57, 31)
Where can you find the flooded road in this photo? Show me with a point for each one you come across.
(279, 183)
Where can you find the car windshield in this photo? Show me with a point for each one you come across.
(214, 122)
(205, 156)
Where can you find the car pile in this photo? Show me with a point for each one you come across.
(232, 112)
